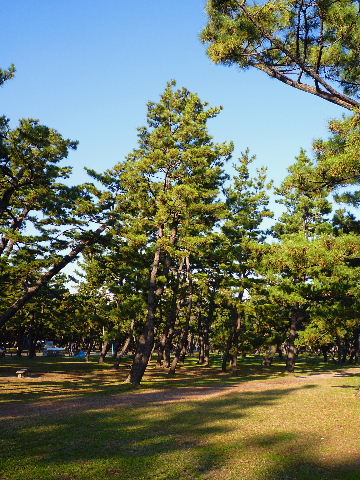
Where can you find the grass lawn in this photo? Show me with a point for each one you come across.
(258, 425)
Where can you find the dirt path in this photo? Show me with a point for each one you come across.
(184, 394)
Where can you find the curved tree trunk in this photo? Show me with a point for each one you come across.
(54, 270)
(145, 343)
(126, 344)
(104, 350)
(146, 339)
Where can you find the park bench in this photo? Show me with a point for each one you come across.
(22, 372)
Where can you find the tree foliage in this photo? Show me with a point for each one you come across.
(312, 46)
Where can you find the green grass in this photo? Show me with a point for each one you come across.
(294, 429)
(73, 377)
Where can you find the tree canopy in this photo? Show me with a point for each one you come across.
(311, 46)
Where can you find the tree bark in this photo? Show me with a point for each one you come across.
(104, 350)
(201, 355)
(236, 335)
(269, 355)
(191, 344)
(226, 356)
(181, 348)
(295, 318)
(167, 337)
(324, 351)
(88, 351)
(126, 344)
(146, 339)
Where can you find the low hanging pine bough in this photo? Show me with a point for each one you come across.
(291, 40)
(54, 270)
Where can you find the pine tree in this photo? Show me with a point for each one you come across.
(247, 201)
(313, 47)
(171, 182)
(300, 267)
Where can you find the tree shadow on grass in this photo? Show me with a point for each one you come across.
(91, 379)
(131, 439)
(293, 458)
(192, 441)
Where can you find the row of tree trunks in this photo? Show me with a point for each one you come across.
(165, 344)
(231, 352)
(207, 323)
(125, 346)
(181, 348)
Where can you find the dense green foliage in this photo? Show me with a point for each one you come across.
(182, 263)
(312, 46)
(178, 255)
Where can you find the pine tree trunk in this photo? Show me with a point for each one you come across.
(146, 339)
(236, 335)
(104, 350)
(181, 348)
(32, 346)
(280, 352)
(339, 350)
(206, 341)
(269, 355)
(88, 351)
(226, 355)
(167, 337)
(126, 345)
(201, 356)
(324, 351)
(345, 350)
(161, 346)
(296, 316)
(201, 353)
(47, 276)
(116, 349)
(191, 344)
(207, 325)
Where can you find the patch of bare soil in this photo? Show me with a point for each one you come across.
(171, 395)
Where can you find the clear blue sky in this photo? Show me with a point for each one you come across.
(87, 68)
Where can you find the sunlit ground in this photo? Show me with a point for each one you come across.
(268, 427)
